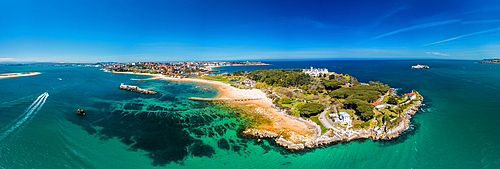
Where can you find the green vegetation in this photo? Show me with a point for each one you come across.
(314, 93)
(213, 78)
(286, 100)
(316, 120)
(332, 84)
(392, 100)
(366, 93)
(311, 109)
(280, 77)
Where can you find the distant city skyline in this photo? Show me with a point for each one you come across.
(119, 31)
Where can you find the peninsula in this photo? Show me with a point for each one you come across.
(302, 108)
(18, 74)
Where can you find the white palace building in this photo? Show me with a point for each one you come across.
(315, 72)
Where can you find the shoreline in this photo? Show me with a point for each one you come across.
(7, 75)
(210, 67)
(295, 133)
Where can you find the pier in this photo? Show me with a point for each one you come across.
(154, 78)
(123, 86)
(220, 99)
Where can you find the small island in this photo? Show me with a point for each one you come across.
(18, 74)
(490, 61)
(308, 108)
(420, 67)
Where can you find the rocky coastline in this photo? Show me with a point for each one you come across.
(341, 135)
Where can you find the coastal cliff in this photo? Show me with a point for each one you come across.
(338, 135)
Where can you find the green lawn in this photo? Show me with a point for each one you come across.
(388, 112)
(385, 99)
(293, 104)
(316, 120)
(214, 78)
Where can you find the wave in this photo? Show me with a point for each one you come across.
(17, 99)
(29, 112)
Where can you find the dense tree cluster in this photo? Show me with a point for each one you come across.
(363, 108)
(311, 109)
(335, 87)
(332, 84)
(358, 97)
(281, 77)
(362, 92)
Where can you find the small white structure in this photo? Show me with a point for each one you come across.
(345, 118)
(249, 82)
(315, 72)
(420, 67)
(413, 96)
(381, 106)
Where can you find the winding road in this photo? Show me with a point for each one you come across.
(323, 119)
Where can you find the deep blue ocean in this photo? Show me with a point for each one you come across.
(39, 128)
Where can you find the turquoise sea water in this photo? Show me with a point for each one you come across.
(457, 127)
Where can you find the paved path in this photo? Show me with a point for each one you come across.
(323, 119)
(381, 98)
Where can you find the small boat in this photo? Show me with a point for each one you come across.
(80, 112)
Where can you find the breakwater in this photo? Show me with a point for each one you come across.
(136, 89)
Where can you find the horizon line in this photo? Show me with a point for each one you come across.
(252, 60)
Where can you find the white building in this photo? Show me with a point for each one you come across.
(381, 106)
(249, 82)
(345, 118)
(315, 72)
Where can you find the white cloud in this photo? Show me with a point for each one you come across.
(6, 59)
(437, 53)
(466, 35)
(421, 26)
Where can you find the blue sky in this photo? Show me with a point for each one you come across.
(123, 31)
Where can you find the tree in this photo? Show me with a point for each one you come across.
(286, 100)
(392, 100)
(311, 109)
(260, 85)
(363, 108)
(332, 84)
(365, 111)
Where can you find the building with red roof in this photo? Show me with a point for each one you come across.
(376, 103)
(411, 95)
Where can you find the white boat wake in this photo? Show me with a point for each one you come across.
(29, 112)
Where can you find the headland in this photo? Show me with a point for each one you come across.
(313, 110)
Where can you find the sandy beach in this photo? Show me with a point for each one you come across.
(282, 124)
(18, 74)
(297, 131)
